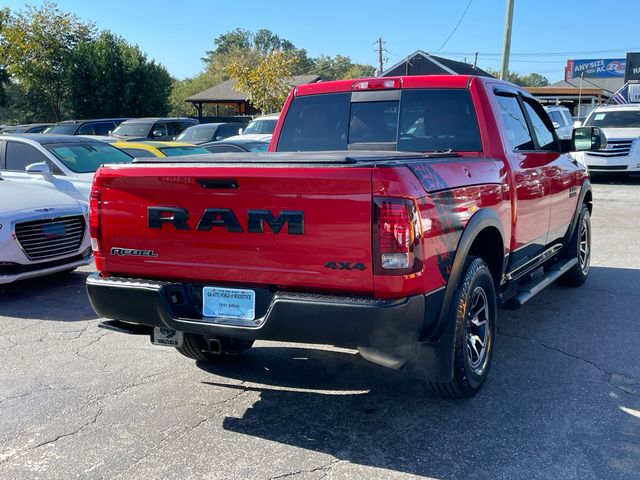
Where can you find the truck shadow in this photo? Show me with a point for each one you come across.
(60, 297)
(556, 405)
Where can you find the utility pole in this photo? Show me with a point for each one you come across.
(380, 62)
(506, 49)
(475, 60)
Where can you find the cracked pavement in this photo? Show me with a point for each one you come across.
(562, 401)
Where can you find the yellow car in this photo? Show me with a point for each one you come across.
(159, 149)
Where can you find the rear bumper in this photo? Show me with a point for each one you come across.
(287, 316)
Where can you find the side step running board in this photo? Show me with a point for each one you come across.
(124, 327)
(528, 291)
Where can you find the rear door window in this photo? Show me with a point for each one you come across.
(86, 129)
(160, 130)
(103, 128)
(225, 131)
(18, 156)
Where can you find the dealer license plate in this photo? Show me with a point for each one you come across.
(233, 303)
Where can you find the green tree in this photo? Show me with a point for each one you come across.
(35, 47)
(265, 84)
(4, 75)
(265, 41)
(247, 50)
(530, 80)
(226, 42)
(339, 67)
(111, 78)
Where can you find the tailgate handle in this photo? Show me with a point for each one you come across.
(218, 183)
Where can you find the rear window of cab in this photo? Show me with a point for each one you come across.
(420, 120)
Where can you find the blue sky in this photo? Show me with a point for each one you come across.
(545, 32)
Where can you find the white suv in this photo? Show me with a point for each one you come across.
(621, 126)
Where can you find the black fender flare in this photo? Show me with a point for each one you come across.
(586, 188)
(433, 358)
(480, 220)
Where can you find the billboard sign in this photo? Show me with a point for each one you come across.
(611, 67)
(632, 71)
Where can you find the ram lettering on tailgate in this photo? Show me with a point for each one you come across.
(224, 217)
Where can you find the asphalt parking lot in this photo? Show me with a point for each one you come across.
(562, 400)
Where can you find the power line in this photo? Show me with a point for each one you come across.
(456, 27)
(379, 51)
(541, 54)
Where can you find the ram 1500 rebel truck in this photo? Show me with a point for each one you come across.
(392, 215)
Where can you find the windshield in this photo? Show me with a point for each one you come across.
(87, 157)
(178, 151)
(615, 119)
(62, 128)
(261, 127)
(197, 134)
(424, 120)
(133, 129)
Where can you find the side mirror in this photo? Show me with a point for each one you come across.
(587, 138)
(157, 133)
(556, 125)
(38, 168)
(219, 137)
(240, 130)
(577, 124)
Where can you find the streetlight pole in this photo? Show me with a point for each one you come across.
(506, 49)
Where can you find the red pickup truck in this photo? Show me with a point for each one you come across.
(393, 215)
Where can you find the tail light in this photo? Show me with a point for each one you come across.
(396, 236)
(94, 222)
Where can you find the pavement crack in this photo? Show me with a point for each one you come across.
(186, 429)
(611, 376)
(322, 468)
(25, 394)
(55, 439)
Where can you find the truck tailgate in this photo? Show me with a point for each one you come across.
(251, 235)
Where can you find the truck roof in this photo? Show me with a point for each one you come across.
(411, 81)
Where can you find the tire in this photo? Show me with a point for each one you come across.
(475, 316)
(580, 248)
(195, 346)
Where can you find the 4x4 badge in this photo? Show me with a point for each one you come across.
(345, 266)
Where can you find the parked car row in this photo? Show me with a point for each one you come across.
(45, 179)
